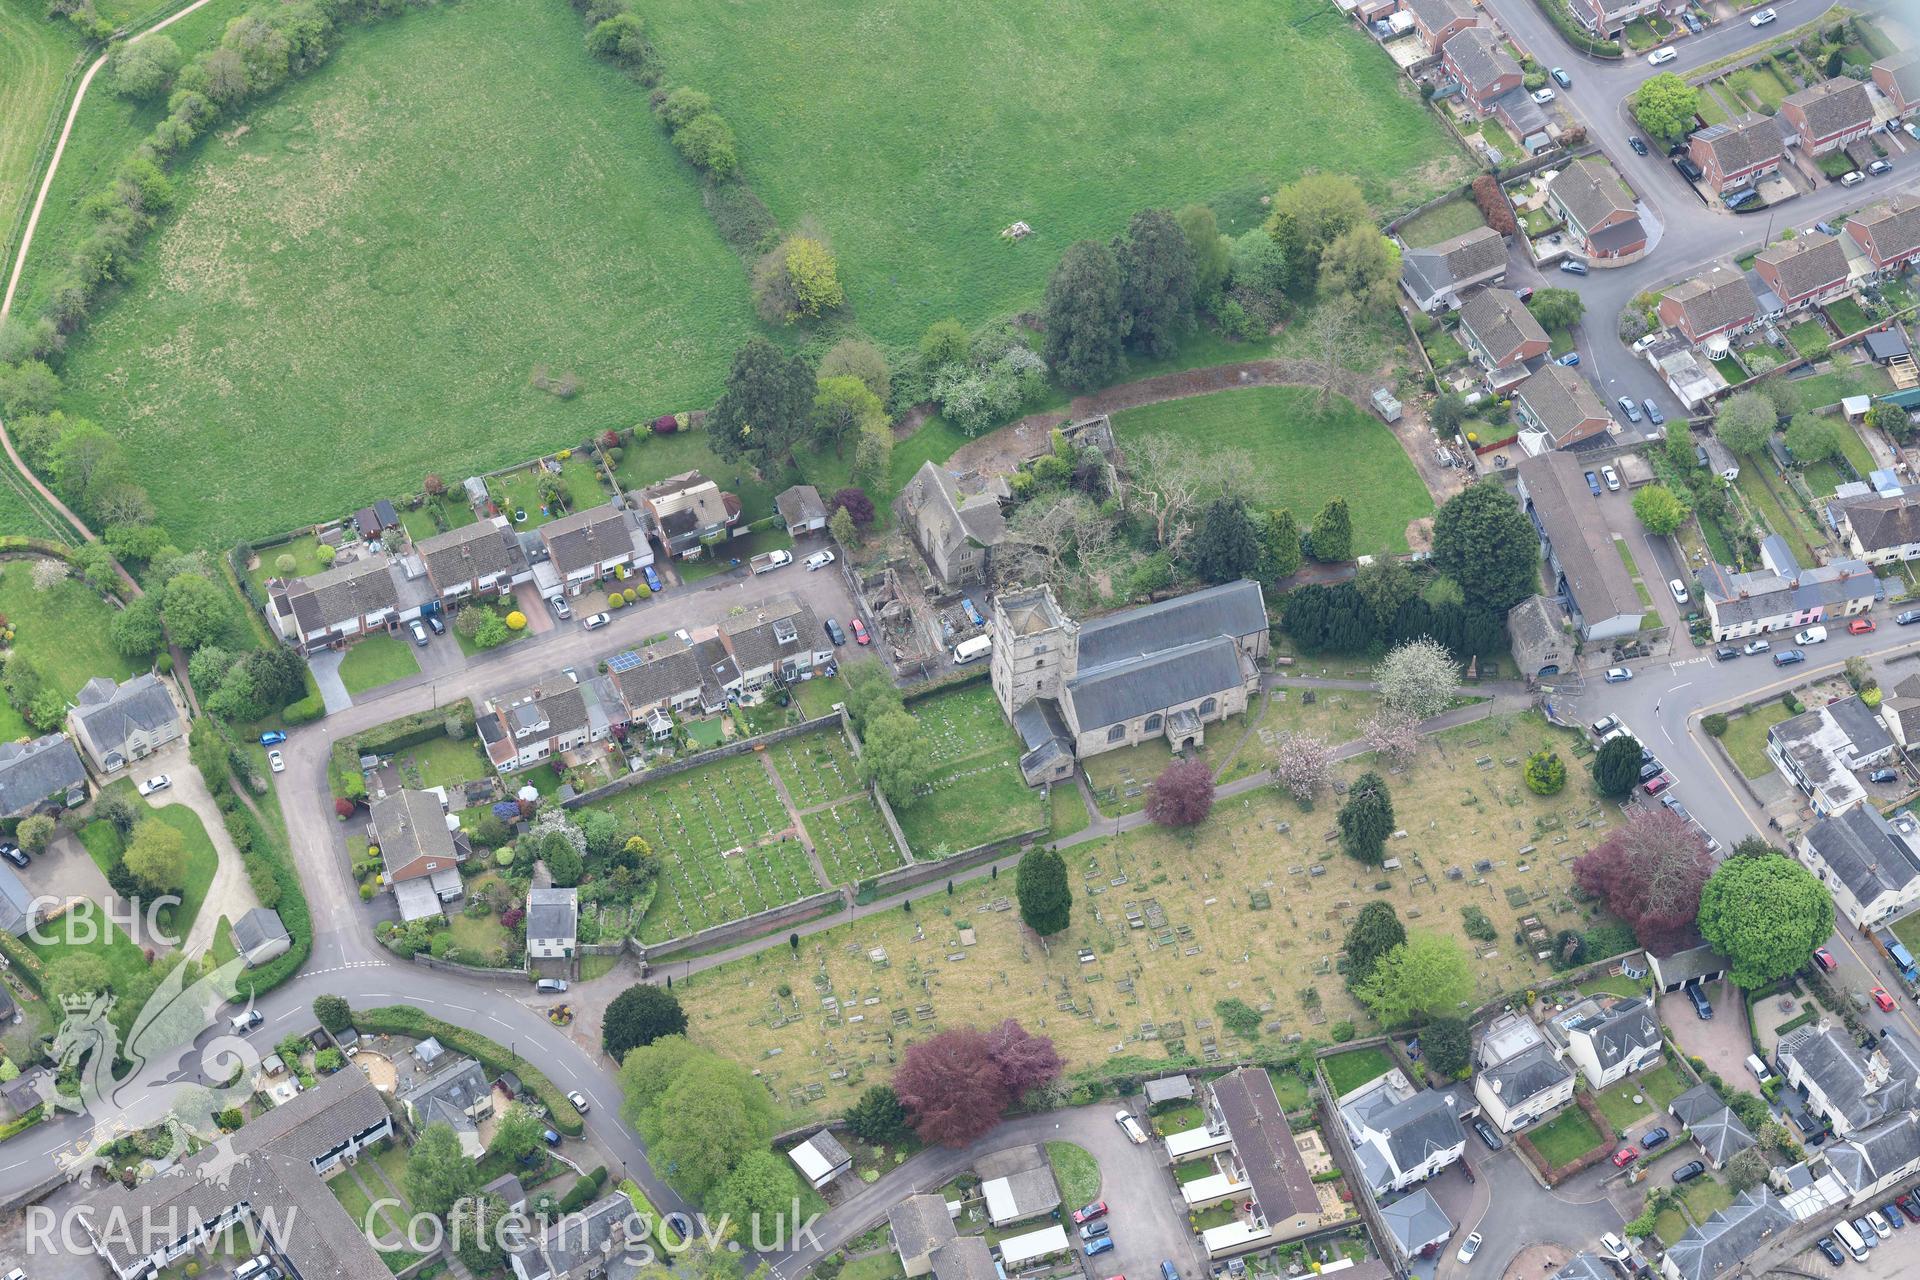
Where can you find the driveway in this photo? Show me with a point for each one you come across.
(440, 656)
(1720, 1042)
(231, 894)
(1512, 1212)
(326, 674)
(66, 871)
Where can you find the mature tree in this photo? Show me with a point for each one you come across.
(1025, 1061)
(870, 693)
(855, 502)
(858, 358)
(638, 1016)
(1745, 422)
(814, 274)
(35, 832)
(196, 610)
(958, 1084)
(1156, 281)
(759, 1194)
(1307, 215)
(1428, 974)
(518, 1134)
(840, 528)
(333, 1013)
(1332, 329)
(1659, 510)
(439, 1172)
(1665, 105)
(75, 973)
(1374, 932)
(1747, 1170)
(1483, 541)
(1333, 532)
(843, 407)
(1206, 247)
(1167, 483)
(1225, 546)
(1361, 264)
(143, 69)
(1385, 583)
(1649, 871)
(873, 456)
(1448, 1046)
(1044, 894)
(878, 1117)
(1085, 315)
(766, 409)
(1302, 763)
(157, 856)
(1766, 914)
(699, 1113)
(1556, 308)
(1812, 438)
(1366, 819)
(1419, 678)
(1182, 796)
(898, 757)
(1890, 418)
(1616, 766)
(1395, 735)
(564, 862)
(1280, 541)
(945, 342)
(474, 1229)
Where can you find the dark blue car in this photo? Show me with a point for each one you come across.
(653, 579)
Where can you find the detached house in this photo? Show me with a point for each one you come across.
(456, 1095)
(1829, 115)
(420, 849)
(345, 602)
(1820, 751)
(1728, 1238)
(1870, 866)
(1438, 21)
(43, 773)
(1880, 528)
(1608, 1039)
(553, 922)
(1480, 64)
(1738, 154)
(1717, 303)
(524, 728)
(1608, 18)
(955, 532)
(1888, 232)
(1898, 79)
(688, 511)
(1598, 209)
(801, 509)
(1519, 1079)
(1714, 1129)
(1400, 1135)
(1558, 409)
(120, 723)
(1501, 335)
(1440, 275)
(1808, 272)
(475, 559)
(590, 544)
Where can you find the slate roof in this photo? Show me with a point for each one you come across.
(409, 825)
(1586, 1266)
(1418, 1127)
(1416, 1221)
(257, 928)
(581, 1243)
(1595, 576)
(1263, 1141)
(508, 1188)
(1141, 685)
(31, 772)
(1730, 1236)
(446, 1096)
(965, 1258)
(1748, 597)
(1168, 1089)
(1894, 225)
(800, 505)
(1619, 1032)
(1477, 53)
(1500, 323)
(1833, 106)
(1564, 404)
(1863, 728)
(1231, 609)
(1691, 963)
(1864, 1087)
(343, 593)
(1526, 1075)
(945, 517)
(1045, 734)
(1743, 144)
(1715, 1128)
(553, 914)
(1892, 1144)
(588, 537)
(1590, 191)
(16, 903)
(1804, 265)
(22, 1093)
(1432, 268)
(112, 713)
(1715, 299)
(1010, 1160)
(472, 551)
(920, 1224)
(1436, 14)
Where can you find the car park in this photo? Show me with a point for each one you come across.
(1654, 415)
(1653, 1138)
(1831, 1251)
(1616, 675)
(1569, 360)
(158, 782)
(1755, 646)
(1628, 407)
(1860, 627)
(1762, 18)
(1094, 1230)
(1689, 1171)
(419, 633)
(1087, 1213)
(819, 559)
(1879, 167)
(1561, 78)
(276, 762)
(1787, 657)
(1610, 478)
(1883, 775)
(653, 579)
(1660, 57)
(859, 630)
(1573, 266)
(1881, 998)
(1469, 1246)
(1679, 589)
(593, 622)
(272, 738)
(16, 855)
(1103, 1245)
(1698, 999)
(1639, 147)
(1824, 958)
(1593, 483)
(1625, 1156)
(1655, 786)
(1726, 653)
(1543, 95)
(1488, 1135)
(834, 633)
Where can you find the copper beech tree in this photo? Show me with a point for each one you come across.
(957, 1085)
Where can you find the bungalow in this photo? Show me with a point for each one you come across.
(1439, 275)
(1608, 18)
(1808, 272)
(1850, 1088)
(1401, 1135)
(1558, 409)
(522, 729)
(1829, 115)
(1017, 1184)
(1879, 528)
(801, 510)
(775, 642)
(455, 1094)
(1520, 1078)
(1438, 21)
(1820, 750)
(686, 512)
(821, 1159)
(590, 544)
(1898, 79)
(1608, 1039)
(41, 773)
(120, 723)
(259, 936)
(420, 849)
(1728, 1238)
(1781, 596)
(474, 559)
(1714, 1129)
(1501, 335)
(338, 604)
(1715, 303)
(1417, 1227)
(1480, 64)
(553, 922)
(1871, 867)
(1597, 208)
(1586, 572)
(1737, 154)
(1888, 232)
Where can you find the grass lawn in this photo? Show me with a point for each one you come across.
(818, 695)
(62, 631)
(1077, 1172)
(977, 794)
(1704, 1197)
(1823, 389)
(103, 844)
(884, 1265)
(1746, 737)
(481, 935)
(1823, 477)
(341, 266)
(124, 960)
(1656, 1089)
(913, 160)
(375, 661)
(1444, 221)
(1855, 449)
(1731, 369)
(35, 53)
(426, 520)
(1348, 1071)
(1907, 929)
(1566, 1137)
(469, 648)
(1761, 494)
(1287, 437)
(306, 561)
(202, 862)
(1067, 812)
(1847, 316)
(649, 458)
(223, 948)
(442, 762)
(1444, 349)
(1809, 338)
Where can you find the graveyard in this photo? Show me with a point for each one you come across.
(1251, 906)
(977, 794)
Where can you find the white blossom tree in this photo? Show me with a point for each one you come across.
(1302, 764)
(1418, 678)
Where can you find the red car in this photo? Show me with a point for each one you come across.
(1654, 786)
(1824, 958)
(1860, 626)
(1625, 1156)
(1095, 1210)
(1881, 998)
(860, 635)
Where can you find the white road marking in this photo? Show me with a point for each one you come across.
(462, 1008)
(288, 1014)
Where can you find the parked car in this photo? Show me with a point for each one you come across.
(1611, 479)
(859, 630)
(593, 622)
(1087, 1213)
(1570, 359)
(1824, 958)
(1726, 653)
(1639, 147)
(1094, 1230)
(1615, 1247)
(16, 855)
(1524, 294)
(551, 986)
(272, 738)
(1878, 1223)
(241, 1023)
(1660, 57)
(550, 1136)
(1881, 998)
(653, 579)
(1688, 169)
(1469, 1246)
(1653, 1138)
(1573, 266)
(1488, 1134)
(1909, 1204)
(1604, 726)
(1103, 1245)
(1892, 1214)
(1860, 627)
(435, 624)
(1826, 228)
(1908, 618)
(1679, 589)
(1812, 635)
(1167, 1270)
(1625, 1156)
(1883, 775)
(1654, 415)
(1879, 167)
(1543, 95)
(1673, 802)
(1628, 407)
(1616, 675)
(1787, 657)
(1561, 78)
(1831, 1251)
(1655, 786)
(579, 1101)
(1852, 178)
(1689, 1171)
(1698, 998)
(1593, 483)
(1762, 18)
(419, 633)
(834, 633)
(158, 782)
(1868, 1236)
(1756, 646)
(819, 560)
(561, 609)
(573, 677)
(276, 762)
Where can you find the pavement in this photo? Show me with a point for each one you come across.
(1721, 1042)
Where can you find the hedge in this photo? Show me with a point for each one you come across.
(1578, 36)
(265, 858)
(402, 1020)
(25, 963)
(395, 735)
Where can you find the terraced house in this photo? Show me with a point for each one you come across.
(1871, 867)
(1438, 276)
(1879, 528)
(521, 729)
(590, 544)
(1589, 581)
(1598, 210)
(1808, 272)
(1888, 233)
(1828, 115)
(1558, 409)
(1717, 304)
(1736, 155)
(1780, 595)
(476, 559)
(340, 604)
(1501, 335)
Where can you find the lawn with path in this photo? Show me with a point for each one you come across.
(36, 52)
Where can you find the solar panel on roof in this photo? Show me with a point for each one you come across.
(626, 661)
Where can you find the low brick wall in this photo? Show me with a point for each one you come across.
(747, 928)
(426, 961)
(1554, 1177)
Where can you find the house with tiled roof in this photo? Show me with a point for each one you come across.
(456, 1094)
(1480, 64)
(603, 1241)
(39, 774)
(524, 728)
(553, 921)
(780, 640)
(801, 509)
(1716, 303)
(1558, 409)
(1829, 115)
(1401, 1135)
(1710, 1125)
(1598, 209)
(1888, 232)
(1608, 1038)
(1737, 154)
(118, 724)
(686, 512)
(1608, 18)
(590, 544)
(1588, 579)
(1871, 868)
(1879, 528)
(1438, 21)
(1438, 276)
(473, 560)
(1501, 335)
(420, 850)
(1262, 1168)
(1898, 79)
(666, 682)
(1810, 271)
(341, 603)
(1728, 1238)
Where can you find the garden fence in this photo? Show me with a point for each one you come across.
(725, 751)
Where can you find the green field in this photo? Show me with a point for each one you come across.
(1301, 455)
(35, 54)
(62, 631)
(916, 133)
(977, 794)
(354, 288)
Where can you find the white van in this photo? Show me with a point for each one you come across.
(1758, 1066)
(1812, 635)
(1850, 1240)
(970, 650)
(1132, 1126)
(252, 1267)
